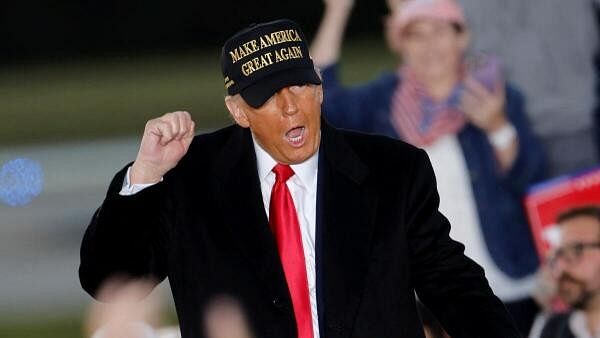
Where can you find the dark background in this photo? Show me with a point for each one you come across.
(43, 30)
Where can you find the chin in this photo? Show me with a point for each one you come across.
(300, 157)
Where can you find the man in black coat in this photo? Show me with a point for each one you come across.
(363, 234)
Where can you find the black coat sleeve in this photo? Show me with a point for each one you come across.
(125, 238)
(450, 284)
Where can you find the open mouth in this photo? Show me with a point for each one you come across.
(296, 136)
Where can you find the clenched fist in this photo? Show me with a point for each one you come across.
(166, 139)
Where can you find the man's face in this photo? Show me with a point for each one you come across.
(288, 125)
(577, 266)
(433, 49)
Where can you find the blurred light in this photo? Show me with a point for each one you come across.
(21, 180)
(552, 235)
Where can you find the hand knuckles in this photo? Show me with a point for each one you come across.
(151, 123)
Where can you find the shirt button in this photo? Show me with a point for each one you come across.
(277, 302)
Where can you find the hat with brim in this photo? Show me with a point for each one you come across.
(262, 59)
(413, 10)
(258, 93)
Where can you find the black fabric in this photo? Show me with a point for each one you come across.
(523, 312)
(379, 239)
(263, 58)
(557, 326)
(256, 95)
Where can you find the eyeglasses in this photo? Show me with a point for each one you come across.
(571, 253)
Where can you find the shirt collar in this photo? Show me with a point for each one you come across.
(305, 171)
(578, 324)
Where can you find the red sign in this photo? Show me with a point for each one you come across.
(546, 201)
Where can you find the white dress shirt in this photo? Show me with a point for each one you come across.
(131, 189)
(578, 324)
(303, 188)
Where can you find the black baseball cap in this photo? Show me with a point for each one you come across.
(263, 58)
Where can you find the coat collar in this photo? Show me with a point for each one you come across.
(346, 206)
(340, 155)
(345, 214)
(238, 190)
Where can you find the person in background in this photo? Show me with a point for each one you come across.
(124, 311)
(548, 49)
(575, 268)
(472, 125)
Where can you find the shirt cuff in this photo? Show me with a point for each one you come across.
(502, 138)
(129, 189)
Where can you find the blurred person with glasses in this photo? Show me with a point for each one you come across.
(574, 267)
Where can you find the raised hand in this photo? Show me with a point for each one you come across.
(484, 108)
(166, 139)
(327, 44)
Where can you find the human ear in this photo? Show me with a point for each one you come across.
(319, 90)
(237, 112)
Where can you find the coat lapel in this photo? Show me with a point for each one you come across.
(345, 210)
(346, 207)
(241, 197)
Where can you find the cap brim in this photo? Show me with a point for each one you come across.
(409, 19)
(258, 93)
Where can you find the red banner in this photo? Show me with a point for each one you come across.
(546, 201)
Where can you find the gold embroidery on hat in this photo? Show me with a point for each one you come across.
(287, 53)
(244, 50)
(265, 60)
(267, 40)
(257, 63)
(228, 82)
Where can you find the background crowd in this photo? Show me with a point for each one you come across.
(493, 125)
(501, 94)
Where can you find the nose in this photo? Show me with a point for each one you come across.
(287, 100)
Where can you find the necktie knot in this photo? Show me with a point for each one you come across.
(282, 172)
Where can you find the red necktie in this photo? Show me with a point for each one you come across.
(286, 228)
